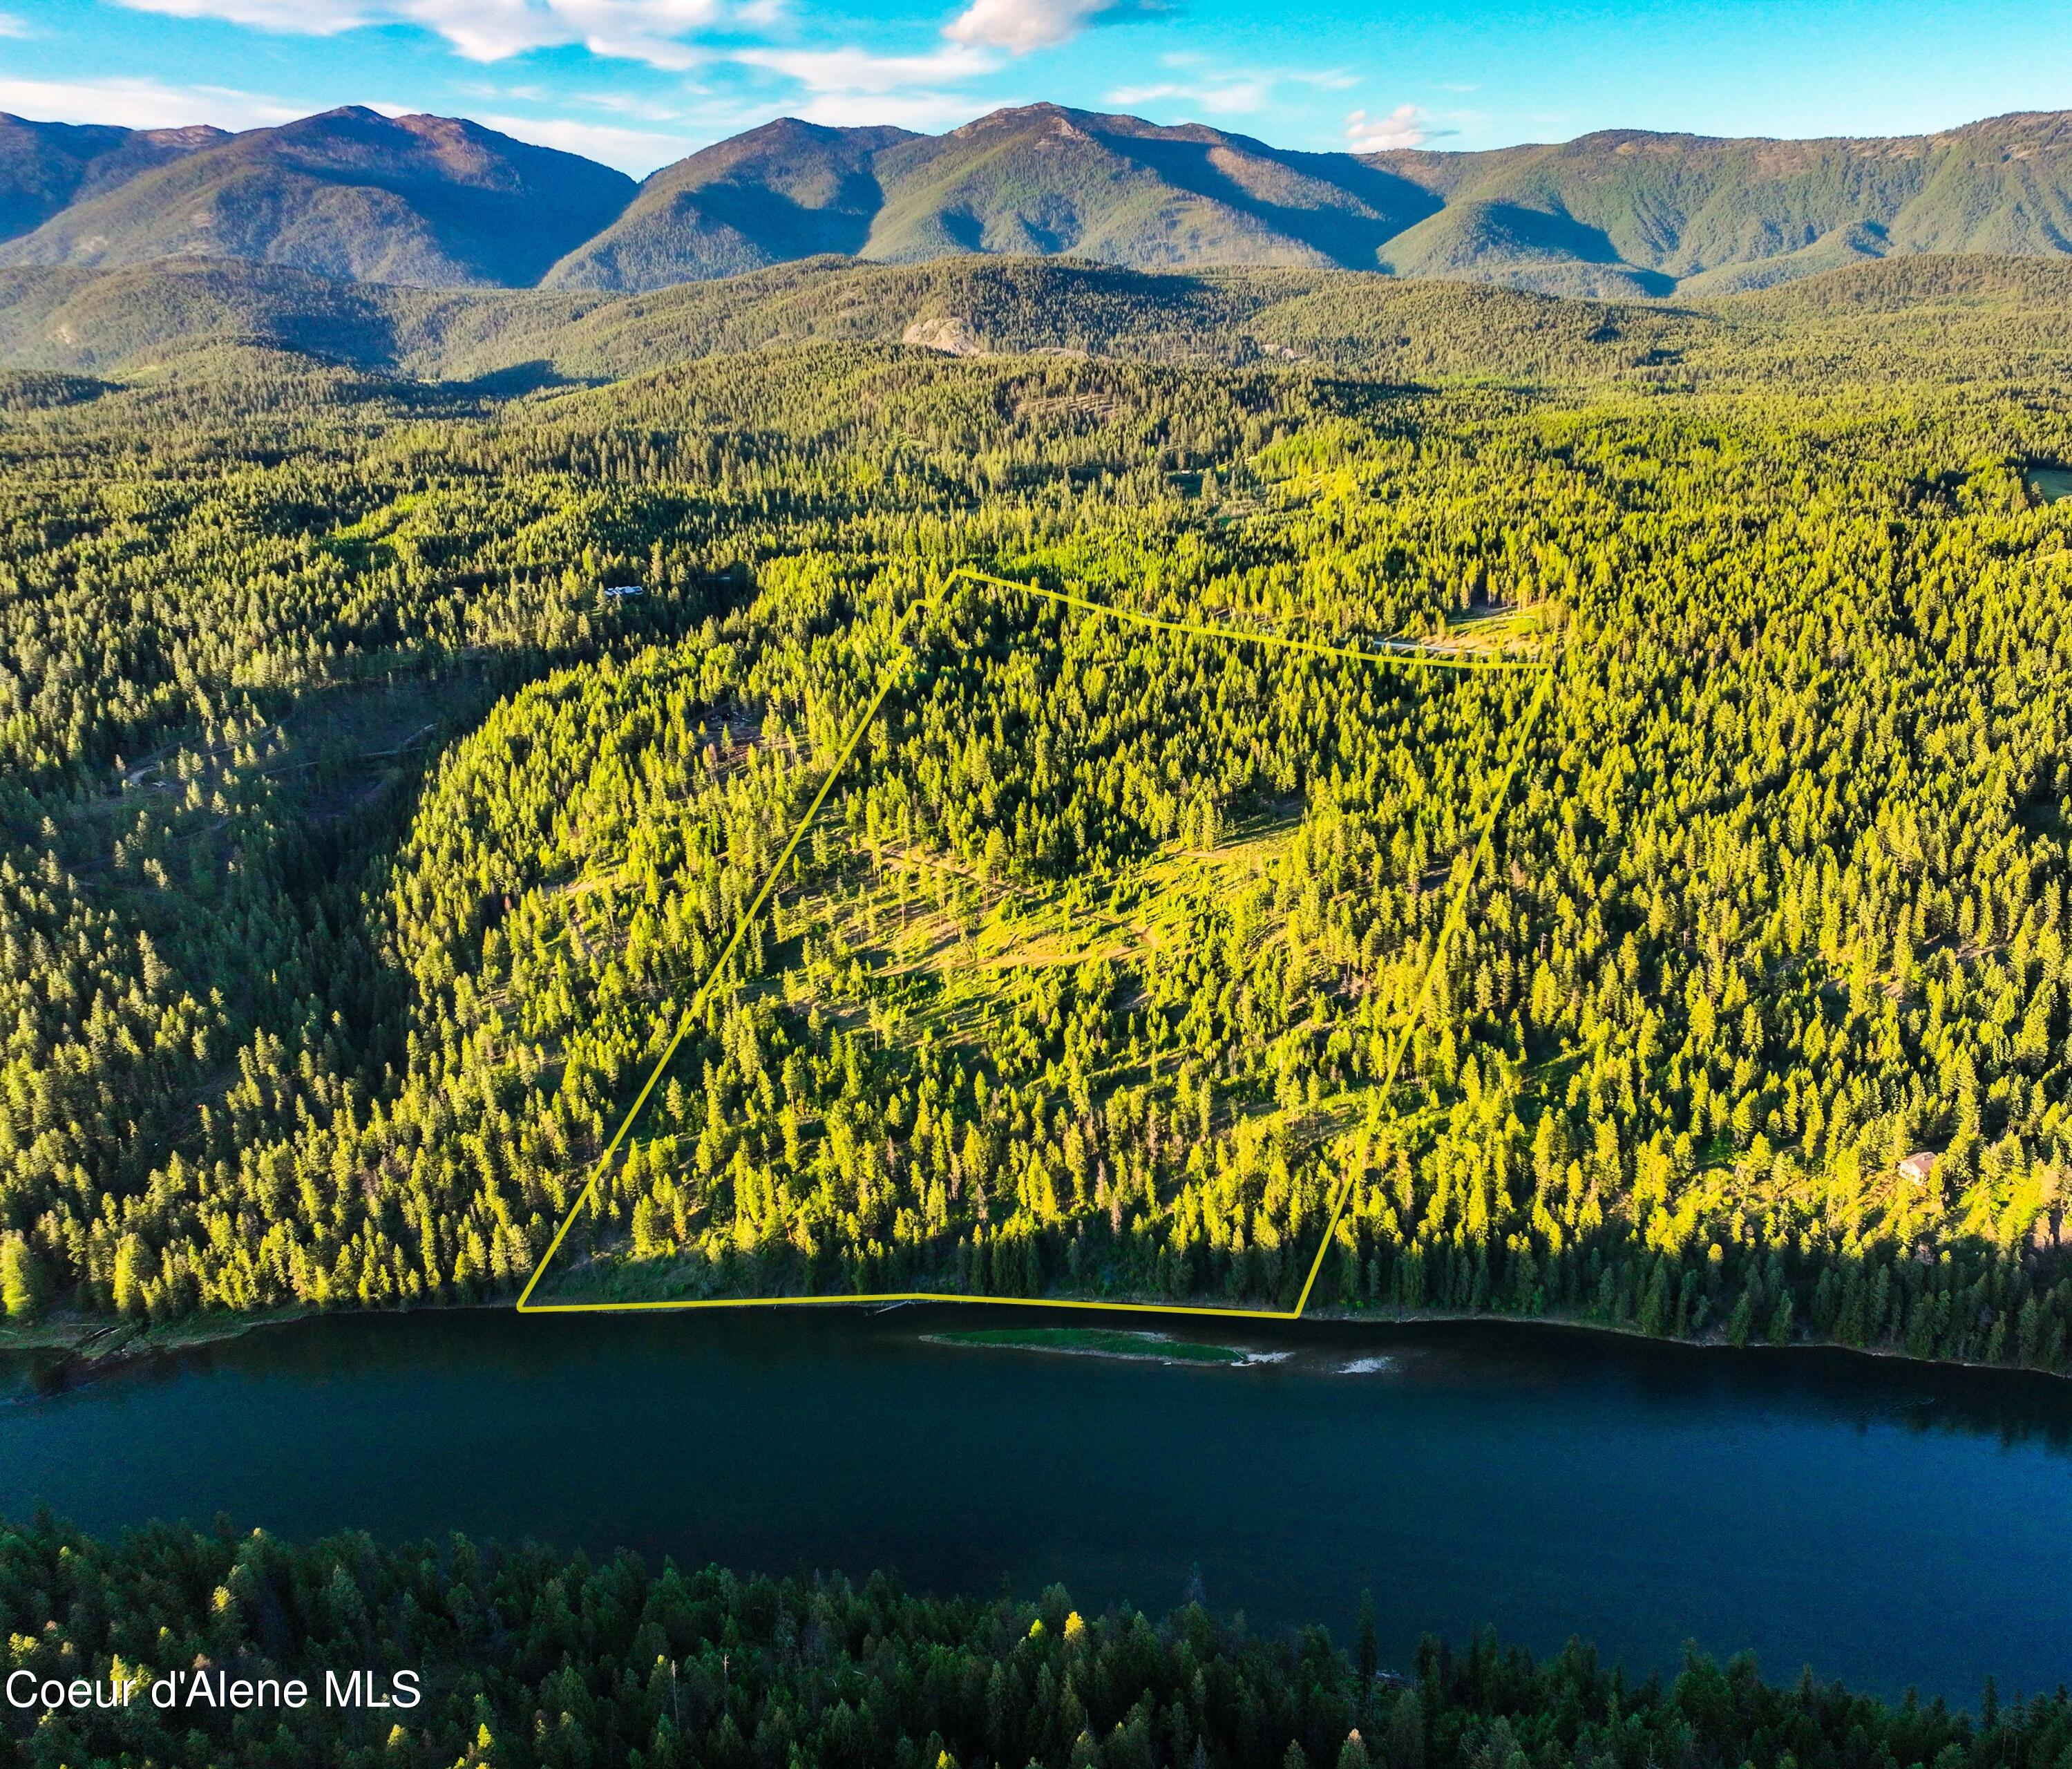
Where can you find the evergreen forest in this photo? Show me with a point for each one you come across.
(527, 1659)
(387, 766)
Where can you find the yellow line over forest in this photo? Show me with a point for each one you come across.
(746, 918)
(1410, 656)
(1456, 909)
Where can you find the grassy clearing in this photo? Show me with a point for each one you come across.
(1490, 631)
(912, 952)
(922, 949)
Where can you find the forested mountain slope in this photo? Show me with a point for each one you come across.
(359, 848)
(45, 167)
(68, 320)
(1523, 248)
(788, 190)
(429, 200)
(1682, 205)
(1044, 179)
(1900, 319)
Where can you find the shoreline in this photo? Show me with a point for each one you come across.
(92, 1344)
(96, 1339)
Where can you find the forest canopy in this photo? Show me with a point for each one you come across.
(527, 1659)
(383, 764)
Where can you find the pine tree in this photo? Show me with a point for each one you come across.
(1742, 1321)
(25, 1286)
(132, 1264)
(1655, 1306)
(1780, 1322)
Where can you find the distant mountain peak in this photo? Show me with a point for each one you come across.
(349, 192)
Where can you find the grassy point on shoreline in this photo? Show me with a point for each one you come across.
(1096, 1342)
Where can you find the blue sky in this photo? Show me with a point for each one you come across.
(638, 83)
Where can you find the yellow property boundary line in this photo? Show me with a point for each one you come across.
(1456, 911)
(1410, 656)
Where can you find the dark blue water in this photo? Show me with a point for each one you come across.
(1887, 1524)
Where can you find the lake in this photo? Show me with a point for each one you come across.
(1887, 1523)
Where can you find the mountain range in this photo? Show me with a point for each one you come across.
(442, 202)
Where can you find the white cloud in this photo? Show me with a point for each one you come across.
(1149, 95)
(849, 87)
(647, 30)
(1205, 69)
(636, 151)
(12, 26)
(620, 105)
(646, 110)
(1405, 126)
(1217, 90)
(929, 113)
(1224, 97)
(1020, 26)
(140, 104)
(858, 70)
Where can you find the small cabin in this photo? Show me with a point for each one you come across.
(1917, 1167)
